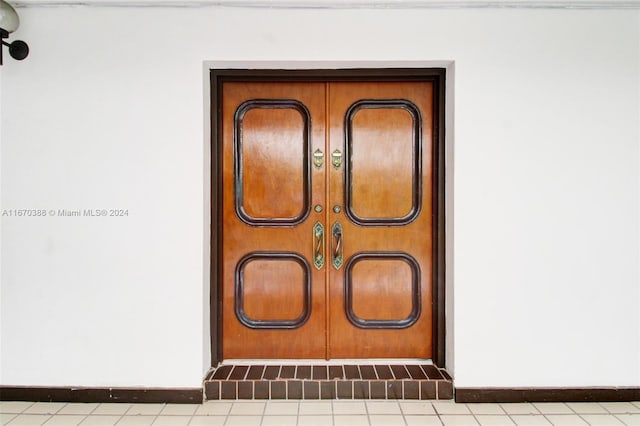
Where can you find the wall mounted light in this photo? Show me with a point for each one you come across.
(9, 22)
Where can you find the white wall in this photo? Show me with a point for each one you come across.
(107, 112)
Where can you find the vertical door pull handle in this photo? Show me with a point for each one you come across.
(338, 250)
(318, 245)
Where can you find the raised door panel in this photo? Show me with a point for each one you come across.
(382, 290)
(382, 167)
(271, 152)
(273, 295)
(380, 298)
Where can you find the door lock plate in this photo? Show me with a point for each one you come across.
(336, 158)
(318, 158)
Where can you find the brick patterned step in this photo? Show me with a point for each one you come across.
(349, 381)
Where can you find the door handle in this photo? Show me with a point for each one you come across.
(318, 245)
(338, 250)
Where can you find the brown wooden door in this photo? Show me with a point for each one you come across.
(328, 260)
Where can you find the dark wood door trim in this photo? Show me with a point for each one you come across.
(435, 75)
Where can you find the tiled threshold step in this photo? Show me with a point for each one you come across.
(385, 381)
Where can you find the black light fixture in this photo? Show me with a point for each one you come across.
(9, 22)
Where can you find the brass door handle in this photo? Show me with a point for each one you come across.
(318, 245)
(338, 250)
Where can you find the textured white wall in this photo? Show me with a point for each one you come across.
(107, 112)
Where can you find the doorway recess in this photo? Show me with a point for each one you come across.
(236, 127)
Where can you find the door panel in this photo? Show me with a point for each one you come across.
(351, 279)
(267, 280)
(388, 297)
(382, 166)
(276, 189)
(273, 298)
(380, 304)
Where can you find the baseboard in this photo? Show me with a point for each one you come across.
(79, 394)
(546, 394)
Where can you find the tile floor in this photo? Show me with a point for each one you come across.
(320, 413)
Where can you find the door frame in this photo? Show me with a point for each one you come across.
(435, 75)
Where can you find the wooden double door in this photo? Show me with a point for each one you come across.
(327, 220)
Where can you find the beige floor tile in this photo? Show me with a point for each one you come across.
(601, 420)
(281, 408)
(458, 420)
(45, 408)
(422, 420)
(519, 408)
(78, 408)
(247, 408)
(315, 421)
(417, 408)
(443, 407)
(494, 420)
(566, 420)
(530, 420)
(627, 419)
(145, 409)
(65, 420)
(485, 408)
(587, 408)
(279, 421)
(351, 420)
(214, 408)
(30, 420)
(349, 408)
(243, 421)
(15, 407)
(179, 409)
(6, 418)
(321, 413)
(620, 407)
(171, 421)
(386, 420)
(553, 408)
(112, 409)
(208, 420)
(100, 421)
(136, 420)
(315, 407)
(383, 407)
